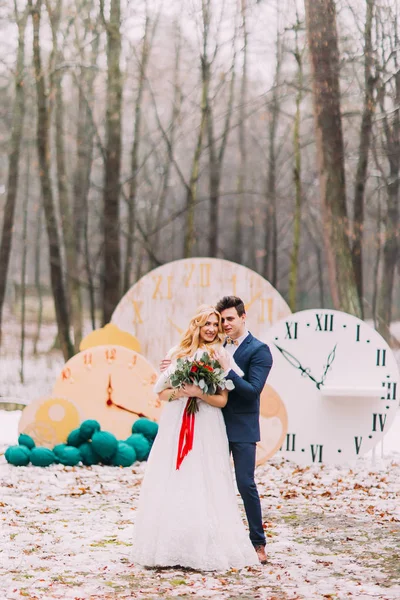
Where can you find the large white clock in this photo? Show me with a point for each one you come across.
(157, 309)
(338, 379)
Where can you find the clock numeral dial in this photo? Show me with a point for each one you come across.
(111, 355)
(324, 322)
(291, 330)
(358, 442)
(381, 357)
(88, 359)
(137, 307)
(391, 390)
(316, 452)
(162, 291)
(204, 271)
(378, 420)
(266, 305)
(66, 374)
(358, 338)
(290, 442)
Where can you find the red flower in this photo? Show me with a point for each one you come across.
(208, 368)
(194, 369)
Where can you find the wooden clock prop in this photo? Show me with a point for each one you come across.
(112, 384)
(338, 379)
(157, 309)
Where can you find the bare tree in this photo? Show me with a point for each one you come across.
(14, 156)
(112, 254)
(294, 256)
(56, 274)
(323, 44)
(133, 182)
(363, 150)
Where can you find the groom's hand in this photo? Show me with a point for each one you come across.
(164, 364)
(223, 358)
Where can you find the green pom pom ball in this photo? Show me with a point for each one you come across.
(67, 455)
(19, 456)
(42, 457)
(26, 440)
(74, 438)
(89, 456)
(125, 455)
(140, 444)
(148, 428)
(88, 428)
(105, 444)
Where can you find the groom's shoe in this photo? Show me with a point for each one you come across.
(262, 557)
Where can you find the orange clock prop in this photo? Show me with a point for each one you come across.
(273, 424)
(157, 309)
(49, 420)
(113, 385)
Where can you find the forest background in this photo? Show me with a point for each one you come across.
(134, 133)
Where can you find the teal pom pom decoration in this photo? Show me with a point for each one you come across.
(140, 444)
(74, 438)
(148, 428)
(88, 455)
(18, 456)
(105, 444)
(26, 440)
(67, 455)
(88, 428)
(125, 455)
(42, 457)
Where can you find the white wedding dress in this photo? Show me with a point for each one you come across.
(190, 517)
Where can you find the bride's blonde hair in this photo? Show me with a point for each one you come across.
(190, 341)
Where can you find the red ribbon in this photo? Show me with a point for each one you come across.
(186, 435)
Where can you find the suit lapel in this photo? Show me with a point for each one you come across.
(242, 348)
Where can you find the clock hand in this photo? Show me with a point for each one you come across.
(111, 402)
(130, 411)
(329, 361)
(296, 363)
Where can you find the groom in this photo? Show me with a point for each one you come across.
(242, 412)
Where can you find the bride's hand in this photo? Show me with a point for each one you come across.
(191, 391)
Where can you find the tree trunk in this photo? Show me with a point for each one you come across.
(294, 257)
(216, 161)
(13, 162)
(81, 187)
(322, 37)
(67, 226)
(242, 168)
(57, 283)
(38, 251)
(133, 184)
(25, 205)
(270, 266)
(112, 254)
(363, 152)
(191, 193)
(390, 245)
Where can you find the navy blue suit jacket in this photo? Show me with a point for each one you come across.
(242, 411)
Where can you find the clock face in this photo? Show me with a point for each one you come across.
(158, 308)
(113, 385)
(338, 379)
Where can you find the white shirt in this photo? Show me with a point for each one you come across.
(231, 348)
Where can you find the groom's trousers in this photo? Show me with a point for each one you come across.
(244, 460)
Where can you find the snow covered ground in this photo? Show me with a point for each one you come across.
(333, 532)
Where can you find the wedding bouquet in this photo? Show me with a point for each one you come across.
(204, 372)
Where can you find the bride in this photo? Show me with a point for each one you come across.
(188, 516)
